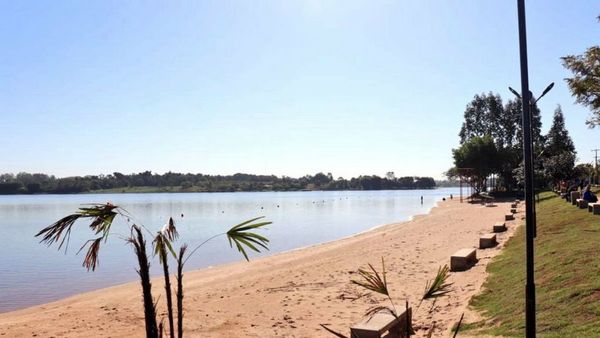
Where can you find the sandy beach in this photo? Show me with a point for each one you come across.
(290, 294)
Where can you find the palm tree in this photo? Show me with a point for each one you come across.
(102, 217)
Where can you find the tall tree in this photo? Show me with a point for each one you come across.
(558, 139)
(585, 83)
(559, 154)
(484, 115)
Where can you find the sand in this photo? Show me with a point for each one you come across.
(290, 294)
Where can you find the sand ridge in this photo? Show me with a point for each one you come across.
(290, 294)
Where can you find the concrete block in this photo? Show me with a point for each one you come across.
(382, 324)
(574, 196)
(499, 227)
(487, 241)
(595, 208)
(463, 259)
(509, 217)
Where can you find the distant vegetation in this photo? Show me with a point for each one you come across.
(25, 183)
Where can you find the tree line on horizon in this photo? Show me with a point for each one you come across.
(27, 183)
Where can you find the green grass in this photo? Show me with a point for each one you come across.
(567, 267)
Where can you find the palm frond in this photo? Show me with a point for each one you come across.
(102, 216)
(91, 257)
(373, 280)
(170, 231)
(457, 328)
(333, 332)
(54, 232)
(380, 308)
(243, 238)
(161, 245)
(438, 287)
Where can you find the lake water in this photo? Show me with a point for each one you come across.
(31, 273)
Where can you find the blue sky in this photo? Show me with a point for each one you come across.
(269, 87)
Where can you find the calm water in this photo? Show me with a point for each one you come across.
(31, 273)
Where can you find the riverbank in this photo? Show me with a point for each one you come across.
(290, 294)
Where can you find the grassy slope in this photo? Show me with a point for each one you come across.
(567, 277)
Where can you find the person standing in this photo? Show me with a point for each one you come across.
(421, 200)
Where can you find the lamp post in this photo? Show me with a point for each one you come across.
(528, 159)
(532, 102)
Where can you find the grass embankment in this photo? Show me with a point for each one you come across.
(567, 267)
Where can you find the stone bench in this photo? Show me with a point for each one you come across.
(499, 227)
(513, 210)
(382, 324)
(463, 259)
(574, 196)
(581, 203)
(487, 241)
(513, 205)
(509, 217)
(594, 208)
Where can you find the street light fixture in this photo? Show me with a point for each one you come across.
(528, 159)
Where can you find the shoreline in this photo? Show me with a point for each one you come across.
(159, 191)
(310, 264)
(305, 247)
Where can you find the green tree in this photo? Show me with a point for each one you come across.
(585, 83)
(559, 167)
(558, 140)
(481, 156)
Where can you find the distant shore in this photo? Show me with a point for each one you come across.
(290, 294)
(179, 189)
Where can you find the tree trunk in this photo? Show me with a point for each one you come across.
(180, 259)
(168, 293)
(139, 245)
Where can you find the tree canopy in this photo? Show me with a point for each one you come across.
(480, 156)
(25, 183)
(585, 83)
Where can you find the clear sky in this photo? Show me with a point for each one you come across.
(269, 87)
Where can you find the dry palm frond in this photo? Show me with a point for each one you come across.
(373, 280)
(377, 309)
(458, 325)
(54, 232)
(170, 231)
(240, 235)
(333, 332)
(91, 257)
(438, 287)
(102, 217)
